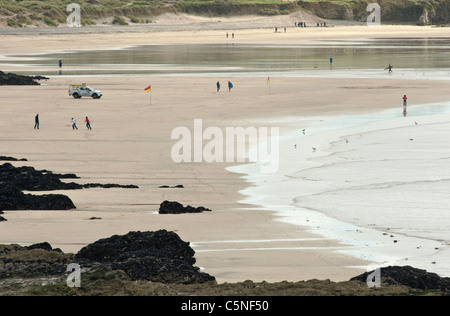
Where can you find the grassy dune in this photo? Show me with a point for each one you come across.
(22, 13)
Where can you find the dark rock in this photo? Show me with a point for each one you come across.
(15, 179)
(16, 80)
(30, 179)
(168, 207)
(176, 186)
(2, 219)
(12, 198)
(411, 277)
(109, 186)
(5, 158)
(42, 245)
(159, 256)
(39, 78)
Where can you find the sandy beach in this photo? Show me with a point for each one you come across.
(130, 143)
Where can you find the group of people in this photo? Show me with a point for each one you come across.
(303, 24)
(232, 35)
(300, 24)
(74, 123)
(87, 121)
(230, 86)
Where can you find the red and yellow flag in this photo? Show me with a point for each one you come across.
(268, 80)
(148, 89)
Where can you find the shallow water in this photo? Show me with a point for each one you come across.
(373, 176)
(406, 55)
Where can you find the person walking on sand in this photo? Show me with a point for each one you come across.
(389, 68)
(88, 123)
(404, 104)
(218, 86)
(74, 124)
(36, 121)
(230, 85)
(331, 62)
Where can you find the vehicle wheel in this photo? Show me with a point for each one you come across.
(95, 96)
(76, 95)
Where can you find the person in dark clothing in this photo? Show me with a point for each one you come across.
(36, 122)
(230, 85)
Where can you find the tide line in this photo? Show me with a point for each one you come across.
(271, 249)
(253, 241)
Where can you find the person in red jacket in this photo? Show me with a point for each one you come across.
(88, 123)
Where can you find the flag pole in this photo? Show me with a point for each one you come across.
(149, 90)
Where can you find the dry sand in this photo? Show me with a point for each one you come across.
(131, 143)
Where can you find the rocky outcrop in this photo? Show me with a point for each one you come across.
(159, 256)
(178, 186)
(14, 180)
(11, 79)
(33, 261)
(13, 199)
(410, 277)
(30, 179)
(6, 158)
(168, 207)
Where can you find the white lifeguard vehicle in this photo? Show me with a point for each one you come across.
(82, 90)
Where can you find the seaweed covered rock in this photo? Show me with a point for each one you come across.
(7, 158)
(410, 277)
(32, 261)
(159, 256)
(12, 79)
(168, 207)
(13, 199)
(30, 179)
(13, 180)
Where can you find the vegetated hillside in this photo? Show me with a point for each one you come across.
(22, 13)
